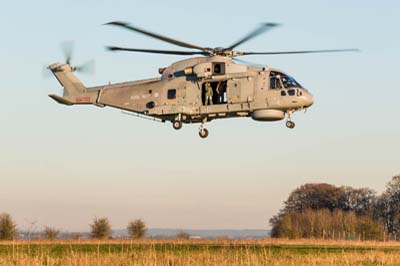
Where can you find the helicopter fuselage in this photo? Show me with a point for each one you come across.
(179, 92)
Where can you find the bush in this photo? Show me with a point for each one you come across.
(50, 232)
(100, 228)
(183, 235)
(136, 229)
(8, 229)
(327, 224)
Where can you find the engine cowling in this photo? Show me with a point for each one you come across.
(268, 115)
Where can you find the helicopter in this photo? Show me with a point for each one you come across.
(213, 85)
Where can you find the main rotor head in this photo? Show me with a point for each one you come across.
(206, 51)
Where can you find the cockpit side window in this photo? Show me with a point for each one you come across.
(275, 83)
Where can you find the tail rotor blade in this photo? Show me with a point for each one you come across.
(68, 48)
(87, 68)
(46, 72)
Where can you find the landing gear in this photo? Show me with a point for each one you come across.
(290, 124)
(177, 124)
(203, 132)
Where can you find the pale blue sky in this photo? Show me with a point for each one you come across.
(62, 166)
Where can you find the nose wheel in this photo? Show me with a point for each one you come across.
(290, 124)
(203, 132)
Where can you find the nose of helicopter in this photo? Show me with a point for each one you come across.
(308, 99)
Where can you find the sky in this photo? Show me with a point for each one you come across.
(62, 166)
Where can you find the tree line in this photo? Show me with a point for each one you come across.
(100, 228)
(340, 212)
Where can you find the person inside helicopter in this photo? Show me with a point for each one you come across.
(214, 93)
(279, 80)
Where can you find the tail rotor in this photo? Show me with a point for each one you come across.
(88, 67)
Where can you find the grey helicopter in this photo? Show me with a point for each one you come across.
(213, 85)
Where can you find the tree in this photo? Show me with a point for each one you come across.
(360, 200)
(136, 229)
(50, 233)
(100, 228)
(8, 229)
(314, 210)
(388, 207)
(183, 235)
(315, 197)
(328, 224)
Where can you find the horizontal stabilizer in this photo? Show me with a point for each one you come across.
(60, 99)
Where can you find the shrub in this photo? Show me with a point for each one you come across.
(50, 232)
(183, 235)
(100, 228)
(136, 229)
(8, 229)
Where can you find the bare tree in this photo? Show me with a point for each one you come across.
(388, 207)
(100, 228)
(136, 229)
(50, 233)
(360, 200)
(8, 228)
(183, 235)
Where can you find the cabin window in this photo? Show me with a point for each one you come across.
(283, 93)
(218, 68)
(171, 94)
(150, 105)
(291, 92)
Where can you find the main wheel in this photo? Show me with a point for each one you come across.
(203, 133)
(177, 124)
(290, 124)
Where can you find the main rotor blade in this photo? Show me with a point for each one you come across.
(299, 52)
(154, 35)
(241, 61)
(114, 48)
(259, 30)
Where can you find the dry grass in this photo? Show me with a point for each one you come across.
(265, 242)
(198, 252)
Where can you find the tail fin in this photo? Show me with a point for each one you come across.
(64, 74)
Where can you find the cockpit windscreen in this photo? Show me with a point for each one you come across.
(277, 80)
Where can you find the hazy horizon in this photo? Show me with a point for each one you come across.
(62, 166)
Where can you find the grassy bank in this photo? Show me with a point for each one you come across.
(190, 252)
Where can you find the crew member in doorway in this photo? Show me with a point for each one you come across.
(209, 94)
(220, 93)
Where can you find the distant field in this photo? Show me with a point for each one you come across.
(199, 252)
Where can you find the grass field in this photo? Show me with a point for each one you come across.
(199, 252)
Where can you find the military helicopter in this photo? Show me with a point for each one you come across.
(196, 90)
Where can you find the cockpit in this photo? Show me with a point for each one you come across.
(282, 81)
(290, 90)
